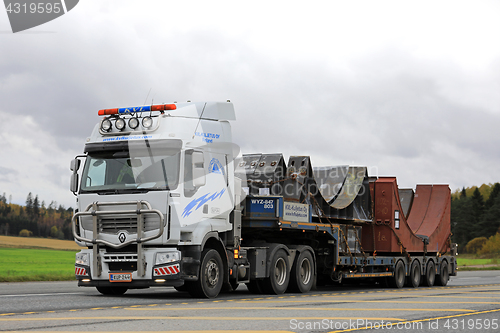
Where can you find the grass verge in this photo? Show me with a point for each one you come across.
(470, 263)
(17, 265)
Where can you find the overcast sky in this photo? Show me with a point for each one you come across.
(407, 88)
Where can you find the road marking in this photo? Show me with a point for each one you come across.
(188, 318)
(425, 320)
(395, 292)
(212, 331)
(51, 294)
(361, 301)
(301, 309)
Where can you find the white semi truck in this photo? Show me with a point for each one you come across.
(163, 200)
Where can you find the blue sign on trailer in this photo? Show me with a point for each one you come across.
(264, 207)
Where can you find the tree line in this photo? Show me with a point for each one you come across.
(35, 219)
(475, 214)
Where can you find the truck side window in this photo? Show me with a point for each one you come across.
(193, 168)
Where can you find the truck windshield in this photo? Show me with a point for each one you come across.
(131, 170)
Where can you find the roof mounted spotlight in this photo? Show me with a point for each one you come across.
(147, 122)
(133, 123)
(120, 124)
(106, 125)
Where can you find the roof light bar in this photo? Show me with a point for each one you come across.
(145, 108)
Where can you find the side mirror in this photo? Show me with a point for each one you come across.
(75, 165)
(199, 178)
(73, 183)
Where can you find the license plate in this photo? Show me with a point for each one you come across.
(120, 277)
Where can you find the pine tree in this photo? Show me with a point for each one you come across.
(477, 206)
(29, 205)
(463, 221)
(490, 222)
(495, 192)
(36, 208)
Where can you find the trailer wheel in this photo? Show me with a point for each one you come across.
(398, 279)
(414, 278)
(443, 277)
(279, 276)
(112, 290)
(302, 274)
(210, 279)
(430, 274)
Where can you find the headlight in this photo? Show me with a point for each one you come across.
(147, 122)
(82, 259)
(166, 257)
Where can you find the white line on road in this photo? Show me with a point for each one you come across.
(52, 294)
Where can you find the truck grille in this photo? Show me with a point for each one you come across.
(113, 225)
(121, 261)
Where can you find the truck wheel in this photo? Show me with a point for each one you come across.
(302, 274)
(211, 276)
(279, 276)
(112, 290)
(430, 274)
(443, 277)
(398, 279)
(414, 278)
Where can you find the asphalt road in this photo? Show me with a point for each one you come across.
(470, 303)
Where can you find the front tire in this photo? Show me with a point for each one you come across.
(211, 276)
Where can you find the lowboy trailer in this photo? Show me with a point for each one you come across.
(164, 200)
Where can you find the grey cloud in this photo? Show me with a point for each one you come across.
(6, 174)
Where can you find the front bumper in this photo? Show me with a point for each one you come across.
(162, 276)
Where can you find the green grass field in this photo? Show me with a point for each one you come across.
(18, 265)
(475, 262)
(469, 262)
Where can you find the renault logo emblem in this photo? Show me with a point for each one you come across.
(122, 237)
